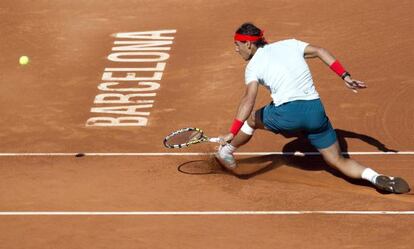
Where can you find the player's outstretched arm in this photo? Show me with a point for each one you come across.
(325, 56)
(312, 51)
(244, 110)
(247, 102)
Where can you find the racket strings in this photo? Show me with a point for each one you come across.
(184, 137)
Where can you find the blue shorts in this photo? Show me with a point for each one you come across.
(304, 116)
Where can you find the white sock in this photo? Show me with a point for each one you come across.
(369, 175)
(228, 149)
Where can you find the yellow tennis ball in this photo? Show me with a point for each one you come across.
(24, 60)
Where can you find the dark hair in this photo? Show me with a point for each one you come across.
(250, 29)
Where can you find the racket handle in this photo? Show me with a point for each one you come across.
(214, 139)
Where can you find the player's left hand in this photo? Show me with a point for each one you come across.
(224, 139)
(354, 84)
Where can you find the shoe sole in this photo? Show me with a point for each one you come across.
(400, 186)
(395, 185)
(223, 163)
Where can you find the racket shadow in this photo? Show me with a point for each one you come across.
(206, 166)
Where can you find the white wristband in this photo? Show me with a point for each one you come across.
(247, 129)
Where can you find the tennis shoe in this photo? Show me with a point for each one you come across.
(225, 159)
(392, 184)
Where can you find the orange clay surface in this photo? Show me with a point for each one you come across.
(45, 106)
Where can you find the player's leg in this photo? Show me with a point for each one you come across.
(353, 169)
(322, 135)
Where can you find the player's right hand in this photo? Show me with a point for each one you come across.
(224, 139)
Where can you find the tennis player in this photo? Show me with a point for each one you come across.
(296, 107)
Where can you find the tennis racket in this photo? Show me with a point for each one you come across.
(186, 137)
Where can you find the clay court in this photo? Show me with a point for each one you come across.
(83, 168)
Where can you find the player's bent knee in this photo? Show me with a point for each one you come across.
(247, 129)
(251, 121)
(257, 117)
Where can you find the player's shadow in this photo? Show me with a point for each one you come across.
(314, 162)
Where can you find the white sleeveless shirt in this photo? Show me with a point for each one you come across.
(281, 68)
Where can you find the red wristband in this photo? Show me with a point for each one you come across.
(236, 126)
(337, 68)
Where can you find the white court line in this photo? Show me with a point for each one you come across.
(199, 213)
(103, 154)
